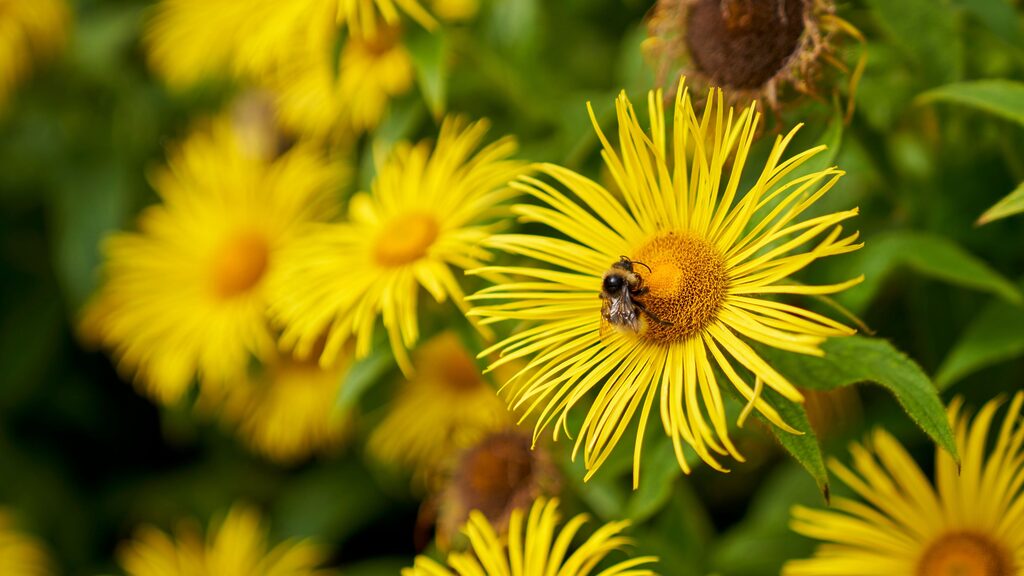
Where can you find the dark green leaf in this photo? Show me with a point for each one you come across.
(658, 476)
(927, 254)
(1003, 98)
(858, 359)
(803, 447)
(994, 336)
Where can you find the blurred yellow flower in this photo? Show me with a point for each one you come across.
(237, 545)
(186, 294)
(191, 40)
(970, 523)
(536, 547)
(426, 213)
(704, 255)
(29, 30)
(325, 97)
(455, 10)
(20, 554)
(446, 407)
(288, 410)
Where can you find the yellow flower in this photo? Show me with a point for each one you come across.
(446, 407)
(321, 96)
(706, 257)
(363, 16)
(288, 410)
(427, 213)
(238, 545)
(191, 40)
(455, 10)
(539, 547)
(20, 554)
(28, 30)
(187, 292)
(970, 523)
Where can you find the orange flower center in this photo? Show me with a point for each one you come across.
(965, 554)
(239, 264)
(405, 239)
(459, 372)
(686, 284)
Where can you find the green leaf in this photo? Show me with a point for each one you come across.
(927, 254)
(429, 57)
(658, 475)
(1000, 97)
(858, 359)
(993, 336)
(998, 15)
(365, 373)
(803, 447)
(927, 31)
(1011, 204)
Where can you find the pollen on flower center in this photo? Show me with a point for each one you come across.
(405, 239)
(239, 264)
(744, 43)
(965, 554)
(686, 284)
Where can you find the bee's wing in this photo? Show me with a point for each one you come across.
(620, 311)
(606, 326)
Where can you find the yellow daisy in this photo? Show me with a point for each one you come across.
(21, 554)
(321, 95)
(427, 212)
(288, 410)
(186, 293)
(29, 30)
(446, 407)
(706, 259)
(970, 524)
(538, 547)
(237, 545)
(191, 40)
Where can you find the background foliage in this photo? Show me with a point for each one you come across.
(935, 142)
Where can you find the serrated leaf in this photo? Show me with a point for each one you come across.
(994, 336)
(1003, 98)
(1011, 204)
(429, 58)
(857, 359)
(803, 447)
(927, 254)
(927, 31)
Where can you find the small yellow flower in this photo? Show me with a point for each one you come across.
(446, 407)
(29, 30)
(426, 214)
(538, 547)
(970, 523)
(238, 545)
(322, 96)
(21, 554)
(710, 256)
(186, 294)
(288, 410)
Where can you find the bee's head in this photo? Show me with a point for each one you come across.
(613, 283)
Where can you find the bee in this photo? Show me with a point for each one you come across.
(621, 287)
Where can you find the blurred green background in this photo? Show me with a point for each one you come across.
(84, 458)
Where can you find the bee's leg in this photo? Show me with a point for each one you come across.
(640, 291)
(643, 308)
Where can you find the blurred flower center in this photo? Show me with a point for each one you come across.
(458, 371)
(239, 264)
(965, 554)
(686, 282)
(405, 239)
(743, 43)
(494, 472)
